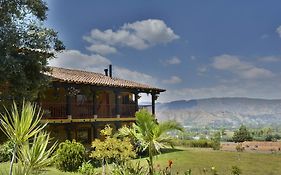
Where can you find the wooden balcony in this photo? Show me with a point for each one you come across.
(87, 111)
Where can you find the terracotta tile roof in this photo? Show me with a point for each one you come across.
(92, 78)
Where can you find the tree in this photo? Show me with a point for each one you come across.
(216, 140)
(20, 127)
(111, 148)
(25, 48)
(151, 135)
(242, 134)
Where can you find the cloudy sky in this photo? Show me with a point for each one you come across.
(194, 49)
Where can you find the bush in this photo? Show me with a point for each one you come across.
(242, 134)
(235, 170)
(201, 143)
(6, 150)
(128, 168)
(239, 147)
(86, 169)
(216, 141)
(70, 155)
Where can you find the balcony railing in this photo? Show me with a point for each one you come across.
(86, 110)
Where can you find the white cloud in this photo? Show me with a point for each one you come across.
(102, 49)
(173, 60)
(74, 59)
(202, 69)
(193, 58)
(173, 80)
(132, 75)
(264, 36)
(266, 90)
(278, 30)
(270, 59)
(138, 35)
(243, 69)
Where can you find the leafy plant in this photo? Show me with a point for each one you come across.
(86, 169)
(235, 170)
(216, 141)
(112, 148)
(20, 126)
(35, 155)
(6, 151)
(242, 134)
(70, 155)
(128, 168)
(151, 135)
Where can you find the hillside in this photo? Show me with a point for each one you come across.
(222, 112)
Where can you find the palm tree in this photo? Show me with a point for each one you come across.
(151, 135)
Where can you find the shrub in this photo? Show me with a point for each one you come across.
(6, 150)
(216, 141)
(70, 155)
(239, 147)
(235, 170)
(242, 134)
(129, 169)
(112, 148)
(86, 169)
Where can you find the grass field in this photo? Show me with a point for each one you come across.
(197, 159)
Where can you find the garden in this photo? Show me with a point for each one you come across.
(140, 149)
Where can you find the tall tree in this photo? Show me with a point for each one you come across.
(25, 48)
(242, 134)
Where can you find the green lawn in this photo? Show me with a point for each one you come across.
(197, 159)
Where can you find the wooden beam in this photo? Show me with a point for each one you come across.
(86, 120)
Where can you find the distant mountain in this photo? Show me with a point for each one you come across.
(222, 112)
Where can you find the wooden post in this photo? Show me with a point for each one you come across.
(136, 101)
(153, 98)
(68, 105)
(94, 104)
(117, 103)
(94, 129)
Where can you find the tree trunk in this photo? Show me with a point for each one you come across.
(151, 170)
(103, 167)
(13, 159)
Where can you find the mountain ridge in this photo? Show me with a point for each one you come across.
(222, 112)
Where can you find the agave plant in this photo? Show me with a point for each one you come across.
(20, 126)
(35, 156)
(151, 136)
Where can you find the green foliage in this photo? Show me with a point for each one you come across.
(86, 169)
(112, 148)
(6, 151)
(242, 134)
(128, 168)
(235, 170)
(216, 141)
(70, 155)
(25, 48)
(150, 135)
(201, 143)
(35, 156)
(20, 126)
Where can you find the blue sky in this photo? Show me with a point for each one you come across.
(194, 49)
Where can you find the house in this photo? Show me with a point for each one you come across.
(79, 104)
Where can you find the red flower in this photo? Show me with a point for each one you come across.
(170, 162)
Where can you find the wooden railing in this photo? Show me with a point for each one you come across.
(54, 110)
(86, 110)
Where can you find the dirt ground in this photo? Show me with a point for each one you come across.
(253, 146)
